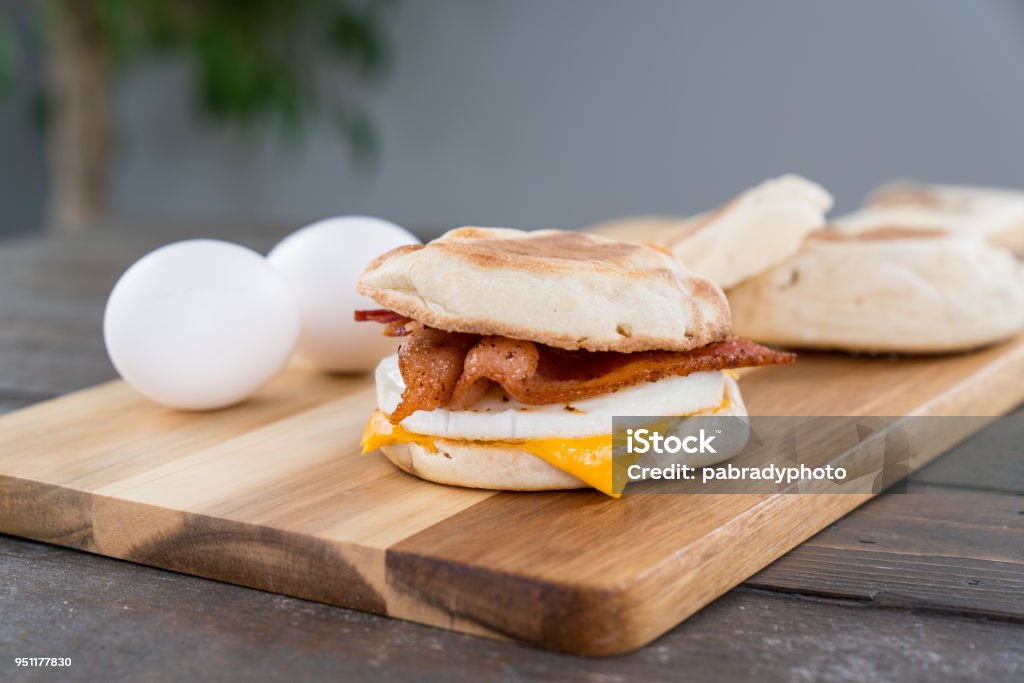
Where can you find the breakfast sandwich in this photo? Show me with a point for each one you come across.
(520, 347)
(996, 215)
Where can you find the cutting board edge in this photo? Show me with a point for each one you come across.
(111, 527)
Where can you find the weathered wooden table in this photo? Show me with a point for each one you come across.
(909, 587)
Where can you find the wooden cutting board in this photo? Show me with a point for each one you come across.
(274, 495)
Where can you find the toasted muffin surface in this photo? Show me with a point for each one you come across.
(563, 289)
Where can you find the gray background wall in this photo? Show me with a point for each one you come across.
(537, 113)
(22, 158)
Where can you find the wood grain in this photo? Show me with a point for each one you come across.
(944, 549)
(981, 462)
(129, 622)
(274, 495)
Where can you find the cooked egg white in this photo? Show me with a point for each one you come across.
(498, 417)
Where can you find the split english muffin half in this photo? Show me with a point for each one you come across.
(757, 229)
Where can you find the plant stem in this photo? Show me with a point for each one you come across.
(81, 136)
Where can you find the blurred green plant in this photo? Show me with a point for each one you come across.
(254, 59)
(253, 62)
(8, 55)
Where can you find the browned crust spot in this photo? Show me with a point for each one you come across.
(906, 194)
(397, 251)
(539, 252)
(879, 234)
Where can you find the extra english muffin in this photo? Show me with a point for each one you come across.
(887, 290)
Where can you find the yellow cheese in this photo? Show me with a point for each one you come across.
(589, 459)
(380, 432)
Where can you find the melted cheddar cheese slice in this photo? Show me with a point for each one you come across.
(589, 459)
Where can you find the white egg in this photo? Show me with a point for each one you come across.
(321, 264)
(200, 324)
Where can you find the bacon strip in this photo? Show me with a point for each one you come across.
(395, 323)
(431, 363)
(451, 370)
(509, 362)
